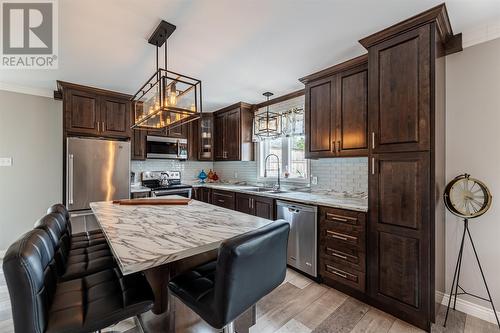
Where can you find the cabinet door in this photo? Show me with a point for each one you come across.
(219, 129)
(139, 144)
(115, 117)
(206, 195)
(320, 105)
(352, 112)
(400, 99)
(399, 254)
(232, 136)
(243, 203)
(81, 111)
(263, 207)
(205, 138)
(178, 132)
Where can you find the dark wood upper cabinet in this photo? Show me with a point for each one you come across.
(352, 114)
(336, 110)
(138, 142)
(115, 116)
(219, 130)
(178, 132)
(203, 137)
(233, 133)
(81, 112)
(95, 112)
(400, 99)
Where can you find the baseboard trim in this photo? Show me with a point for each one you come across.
(469, 308)
(2, 253)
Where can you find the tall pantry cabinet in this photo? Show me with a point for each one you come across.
(406, 163)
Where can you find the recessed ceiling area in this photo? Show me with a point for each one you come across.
(239, 49)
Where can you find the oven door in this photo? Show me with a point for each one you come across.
(184, 192)
(164, 147)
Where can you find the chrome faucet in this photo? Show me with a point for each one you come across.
(277, 186)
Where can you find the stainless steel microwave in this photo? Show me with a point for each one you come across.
(165, 147)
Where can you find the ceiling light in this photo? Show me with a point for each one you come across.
(267, 124)
(168, 99)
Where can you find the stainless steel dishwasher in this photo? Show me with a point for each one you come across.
(302, 242)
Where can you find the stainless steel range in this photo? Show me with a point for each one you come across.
(164, 183)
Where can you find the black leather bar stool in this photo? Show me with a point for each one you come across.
(82, 239)
(42, 304)
(248, 267)
(73, 263)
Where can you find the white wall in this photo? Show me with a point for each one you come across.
(30, 133)
(473, 146)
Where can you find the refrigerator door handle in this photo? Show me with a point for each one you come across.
(70, 178)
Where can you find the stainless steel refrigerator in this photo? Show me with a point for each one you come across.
(96, 170)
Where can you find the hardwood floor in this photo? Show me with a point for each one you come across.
(300, 305)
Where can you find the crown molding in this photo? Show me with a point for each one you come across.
(438, 15)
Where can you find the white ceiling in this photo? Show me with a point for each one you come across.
(238, 48)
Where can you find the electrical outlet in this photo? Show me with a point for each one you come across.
(5, 161)
(314, 180)
(235, 175)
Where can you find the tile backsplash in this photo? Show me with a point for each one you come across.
(189, 169)
(340, 174)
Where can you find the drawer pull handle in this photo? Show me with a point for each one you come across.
(220, 200)
(340, 236)
(335, 254)
(340, 218)
(337, 271)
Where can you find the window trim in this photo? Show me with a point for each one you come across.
(282, 179)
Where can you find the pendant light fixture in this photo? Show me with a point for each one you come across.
(267, 124)
(168, 99)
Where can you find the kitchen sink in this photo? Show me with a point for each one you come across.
(266, 190)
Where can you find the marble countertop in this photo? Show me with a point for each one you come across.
(143, 237)
(313, 198)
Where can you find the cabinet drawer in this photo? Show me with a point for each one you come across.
(342, 232)
(344, 254)
(342, 274)
(223, 199)
(342, 216)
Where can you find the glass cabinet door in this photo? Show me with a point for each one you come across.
(206, 140)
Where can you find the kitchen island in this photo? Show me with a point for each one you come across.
(164, 240)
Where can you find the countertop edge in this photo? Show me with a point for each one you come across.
(284, 197)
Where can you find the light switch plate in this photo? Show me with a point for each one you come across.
(314, 180)
(5, 161)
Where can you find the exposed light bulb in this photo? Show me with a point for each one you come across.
(173, 95)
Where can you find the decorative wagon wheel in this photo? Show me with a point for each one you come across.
(467, 197)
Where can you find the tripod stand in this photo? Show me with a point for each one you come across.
(457, 277)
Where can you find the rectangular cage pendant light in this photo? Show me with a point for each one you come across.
(168, 99)
(267, 124)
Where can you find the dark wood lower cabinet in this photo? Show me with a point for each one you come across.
(255, 205)
(264, 207)
(243, 203)
(223, 199)
(399, 255)
(342, 248)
